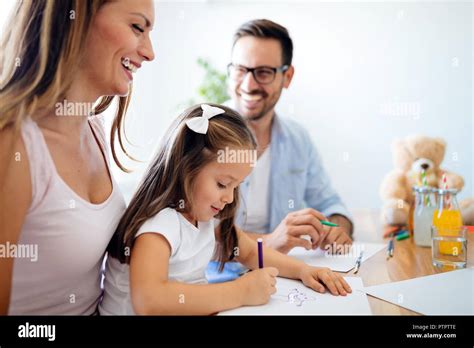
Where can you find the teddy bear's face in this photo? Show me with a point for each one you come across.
(418, 153)
(422, 164)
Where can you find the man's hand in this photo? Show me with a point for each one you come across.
(336, 236)
(296, 224)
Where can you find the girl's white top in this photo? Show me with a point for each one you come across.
(191, 250)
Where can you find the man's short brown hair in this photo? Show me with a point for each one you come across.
(266, 29)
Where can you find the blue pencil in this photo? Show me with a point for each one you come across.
(390, 248)
(358, 262)
(260, 252)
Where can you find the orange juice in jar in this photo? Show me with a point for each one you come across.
(447, 218)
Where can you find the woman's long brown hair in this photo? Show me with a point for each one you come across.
(40, 51)
(170, 177)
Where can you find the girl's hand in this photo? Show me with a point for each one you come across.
(258, 286)
(315, 277)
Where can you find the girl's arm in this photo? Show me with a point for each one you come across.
(289, 267)
(153, 294)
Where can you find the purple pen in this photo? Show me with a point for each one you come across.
(260, 252)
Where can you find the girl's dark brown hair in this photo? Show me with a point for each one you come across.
(170, 178)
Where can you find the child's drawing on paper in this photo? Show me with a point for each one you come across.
(295, 296)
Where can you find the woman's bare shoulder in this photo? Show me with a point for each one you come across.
(15, 181)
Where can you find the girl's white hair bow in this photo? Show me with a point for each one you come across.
(200, 124)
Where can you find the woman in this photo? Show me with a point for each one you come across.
(57, 193)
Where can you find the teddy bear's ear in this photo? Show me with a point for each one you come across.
(402, 158)
(440, 142)
(440, 147)
(397, 144)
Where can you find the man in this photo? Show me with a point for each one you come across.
(288, 192)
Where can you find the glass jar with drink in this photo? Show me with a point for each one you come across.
(425, 206)
(448, 233)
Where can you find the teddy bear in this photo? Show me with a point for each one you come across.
(412, 156)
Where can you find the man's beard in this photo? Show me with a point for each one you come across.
(264, 111)
(259, 116)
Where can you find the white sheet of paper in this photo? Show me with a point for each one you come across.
(338, 263)
(294, 298)
(449, 293)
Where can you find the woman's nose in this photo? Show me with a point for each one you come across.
(146, 50)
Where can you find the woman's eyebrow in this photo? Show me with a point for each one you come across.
(147, 21)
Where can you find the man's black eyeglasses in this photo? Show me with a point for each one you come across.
(262, 74)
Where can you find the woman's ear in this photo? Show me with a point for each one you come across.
(288, 76)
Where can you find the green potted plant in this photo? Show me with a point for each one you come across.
(213, 88)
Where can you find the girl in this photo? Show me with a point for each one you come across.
(57, 194)
(182, 212)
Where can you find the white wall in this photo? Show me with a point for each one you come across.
(365, 74)
(358, 65)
